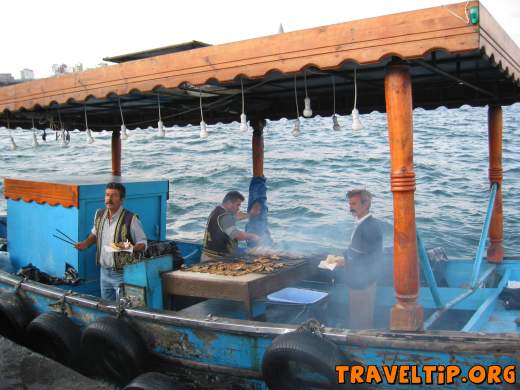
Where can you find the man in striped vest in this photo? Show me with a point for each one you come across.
(221, 236)
(114, 224)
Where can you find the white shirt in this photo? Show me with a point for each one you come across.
(106, 259)
(358, 222)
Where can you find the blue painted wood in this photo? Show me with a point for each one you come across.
(190, 252)
(483, 236)
(30, 229)
(478, 319)
(31, 225)
(147, 274)
(427, 271)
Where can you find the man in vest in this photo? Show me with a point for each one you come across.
(221, 236)
(114, 224)
(363, 258)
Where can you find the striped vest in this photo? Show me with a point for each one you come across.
(216, 242)
(122, 233)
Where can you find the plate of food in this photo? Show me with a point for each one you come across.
(120, 247)
(332, 262)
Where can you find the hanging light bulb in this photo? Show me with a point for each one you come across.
(63, 140)
(296, 129)
(307, 111)
(160, 127)
(160, 124)
(90, 139)
(203, 128)
(34, 137)
(13, 144)
(243, 123)
(243, 118)
(124, 134)
(335, 124)
(356, 122)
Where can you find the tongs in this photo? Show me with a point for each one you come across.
(64, 238)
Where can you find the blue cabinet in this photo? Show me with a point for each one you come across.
(37, 207)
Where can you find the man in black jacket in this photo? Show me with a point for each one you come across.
(363, 260)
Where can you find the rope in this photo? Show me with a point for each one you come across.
(305, 82)
(200, 103)
(86, 121)
(333, 95)
(59, 118)
(159, 105)
(465, 13)
(355, 88)
(242, 89)
(296, 98)
(121, 111)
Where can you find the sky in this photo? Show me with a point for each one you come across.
(38, 33)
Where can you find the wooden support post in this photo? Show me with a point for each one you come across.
(257, 144)
(406, 314)
(495, 252)
(116, 153)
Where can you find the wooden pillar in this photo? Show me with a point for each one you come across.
(406, 314)
(116, 153)
(257, 144)
(495, 252)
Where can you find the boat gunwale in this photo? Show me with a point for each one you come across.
(440, 341)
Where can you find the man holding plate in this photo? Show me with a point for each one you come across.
(118, 235)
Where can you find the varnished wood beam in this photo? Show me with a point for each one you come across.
(406, 314)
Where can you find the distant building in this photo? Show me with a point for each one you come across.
(27, 74)
(102, 65)
(78, 67)
(60, 69)
(6, 78)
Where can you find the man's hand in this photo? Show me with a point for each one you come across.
(81, 246)
(240, 215)
(253, 237)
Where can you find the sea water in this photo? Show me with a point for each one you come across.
(307, 176)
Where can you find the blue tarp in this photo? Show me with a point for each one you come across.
(258, 224)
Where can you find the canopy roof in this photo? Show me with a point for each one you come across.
(452, 62)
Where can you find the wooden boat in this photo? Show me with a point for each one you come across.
(453, 55)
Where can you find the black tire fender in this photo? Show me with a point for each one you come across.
(152, 381)
(302, 350)
(114, 350)
(54, 335)
(14, 316)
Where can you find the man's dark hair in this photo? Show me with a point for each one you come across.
(233, 196)
(117, 186)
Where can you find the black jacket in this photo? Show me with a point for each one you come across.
(364, 255)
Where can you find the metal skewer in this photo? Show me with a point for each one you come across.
(63, 234)
(64, 240)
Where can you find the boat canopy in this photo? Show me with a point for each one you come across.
(458, 54)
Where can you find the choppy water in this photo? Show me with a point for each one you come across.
(307, 176)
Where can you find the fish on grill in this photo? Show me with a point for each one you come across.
(262, 264)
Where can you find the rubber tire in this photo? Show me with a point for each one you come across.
(54, 335)
(14, 317)
(301, 347)
(152, 381)
(114, 350)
